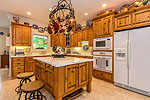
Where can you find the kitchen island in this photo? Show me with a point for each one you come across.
(63, 76)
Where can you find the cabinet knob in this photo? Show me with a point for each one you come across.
(72, 71)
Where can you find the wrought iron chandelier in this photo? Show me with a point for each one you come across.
(61, 18)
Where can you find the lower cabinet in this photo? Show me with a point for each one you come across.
(71, 77)
(30, 66)
(49, 81)
(103, 75)
(17, 66)
(83, 73)
(62, 81)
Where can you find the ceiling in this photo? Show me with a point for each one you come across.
(40, 12)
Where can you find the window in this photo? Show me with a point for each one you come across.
(40, 42)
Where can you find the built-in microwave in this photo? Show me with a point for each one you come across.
(103, 43)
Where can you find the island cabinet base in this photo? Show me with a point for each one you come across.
(62, 81)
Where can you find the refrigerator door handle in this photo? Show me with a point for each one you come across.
(129, 54)
(126, 53)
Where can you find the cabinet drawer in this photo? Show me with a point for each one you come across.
(141, 16)
(29, 59)
(103, 75)
(18, 64)
(17, 68)
(49, 68)
(18, 59)
(123, 22)
(15, 73)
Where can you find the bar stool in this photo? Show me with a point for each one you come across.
(24, 79)
(32, 90)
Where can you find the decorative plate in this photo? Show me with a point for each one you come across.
(1, 33)
(34, 26)
(41, 30)
(46, 28)
(54, 48)
(69, 51)
(85, 47)
(63, 49)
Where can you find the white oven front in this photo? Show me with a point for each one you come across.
(103, 63)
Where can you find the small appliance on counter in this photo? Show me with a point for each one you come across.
(19, 51)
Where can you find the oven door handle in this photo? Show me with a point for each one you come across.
(96, 61)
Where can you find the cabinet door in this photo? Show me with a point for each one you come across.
(30, 66)
(49, 81)
(83, 73)
(141, 17)
(26, 36)
(71, 77)
(123, 22)
(55, 39)
(37, 71)
(74, 40)
(84, 35)
(90, 38)
(80, 36)
(17, 35)
(97, 27)
(62, 39)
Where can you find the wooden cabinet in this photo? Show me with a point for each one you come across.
(90, 37)
(17, 66)
(80, 36)
(103, 75)
(62, 81)
(55, 40)
(83, 74)
(71, 77)
(107, 26)
(97, 28)
(4, 61)
(138, 17)
(21, 35)
(62, 40)
(123, 22)
(29, 64)
(141, 17)
(85, 35)
(50, 81)
(74, 39)
(103, 25)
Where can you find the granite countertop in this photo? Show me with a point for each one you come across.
(87, 55)
(38, 55)
(60, 62)
(34, 55)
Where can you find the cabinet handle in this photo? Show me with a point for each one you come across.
(18, 63)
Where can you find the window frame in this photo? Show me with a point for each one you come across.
(48, 41)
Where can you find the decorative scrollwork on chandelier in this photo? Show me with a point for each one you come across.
(61, 18)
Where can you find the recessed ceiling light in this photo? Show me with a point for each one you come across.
(86, 14)
(104, 5)
(29, 13)
(50, 9)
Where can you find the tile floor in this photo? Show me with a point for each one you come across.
(101, 90)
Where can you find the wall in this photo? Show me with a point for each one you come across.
(3, 42)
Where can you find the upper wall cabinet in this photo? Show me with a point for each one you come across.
(21, 35)
(103, 25)
(134, 18)
(123, 22)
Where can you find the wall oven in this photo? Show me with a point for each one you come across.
(103, 43)
(103, 61)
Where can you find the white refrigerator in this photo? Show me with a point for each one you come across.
(132, 60)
